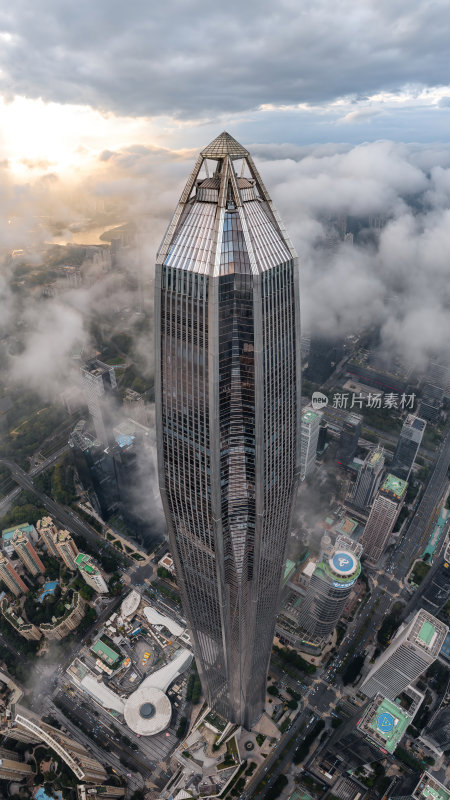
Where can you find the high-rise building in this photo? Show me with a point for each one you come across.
(60, 627)
(368, 480)
(407, 446)
(323, 437)
(328, 590)
(23, 725)
(414, 648)
(227, 390)
(382, 518)
(11, 578)
(437, 590)
(324, 355)
(12, 768)
(348, 440)
(66, 549)
(90, 573)
(47, 529)
(431, 402)
(100, 389)
(27, 553)
(309, 438)
(437, 733)
(424, 788)
(26, 629)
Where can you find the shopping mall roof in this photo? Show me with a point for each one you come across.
(130, 604)
(384, 723)
(394, 486)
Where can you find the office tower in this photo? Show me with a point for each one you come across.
(100, 390)
(407, 446)
(11, 578)
(382, 518)
(348, 440)
(227, 389)
(414, 648)
(437, 733)
(90, 573)
(66, 549)
(368, 480)
(437, 591)
(323, 437)
(26, 629)
(23, 725)
(431, 402)
(95, 469)
(27, 553)
(425, 787)
(327, 593)
(47, 529)
(439, 372)
(324, 355)
(12, 768)
(309, 438)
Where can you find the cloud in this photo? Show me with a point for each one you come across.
(196, 60)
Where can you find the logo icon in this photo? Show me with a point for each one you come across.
(319, 400)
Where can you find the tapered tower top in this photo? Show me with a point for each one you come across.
(223, 146)
(225, 220)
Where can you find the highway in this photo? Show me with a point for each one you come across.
(36, 470)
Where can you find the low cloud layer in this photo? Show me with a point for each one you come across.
(394, 277)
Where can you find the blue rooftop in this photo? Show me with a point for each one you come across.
(124, 440)
(445, 650)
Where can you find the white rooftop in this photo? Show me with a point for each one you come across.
(156, 618)
(130, 604)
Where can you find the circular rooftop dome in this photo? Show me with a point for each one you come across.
(147, 711)
(343, 563)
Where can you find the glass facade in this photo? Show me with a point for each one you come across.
(227, 404)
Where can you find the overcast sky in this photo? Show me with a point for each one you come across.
(174, 73)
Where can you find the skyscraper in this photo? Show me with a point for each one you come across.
(27, 553)
(67, 549)
(90, 573)
(100, 387)
(10, 577)
(348, 440)
(47, 530)
(328, 591)
(368, 479)
(385, 510)
(227, 388)
(309, 438)
(407, 446)
(414, 648)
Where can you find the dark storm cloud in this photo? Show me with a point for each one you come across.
(191, 58)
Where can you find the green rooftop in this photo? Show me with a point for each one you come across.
(309, 416)
(83, 562)
(427, 632)
(104, 652)
(430, 789)
(394, 486)
(288, 570)
(388, 721)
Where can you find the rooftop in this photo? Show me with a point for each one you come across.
(104, 652)
(8, 533)
(394, 486)
(385, 723)
(224, 145)
(83, 562)
(309, 416)
(429, 788)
